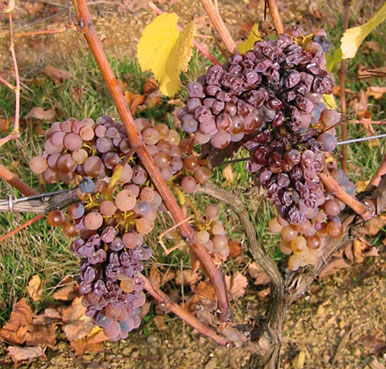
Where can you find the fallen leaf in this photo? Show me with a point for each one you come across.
(299, 360)
(264, 293)
(16, 329)
(66, 293)
(153, 99)
(205, 290)
(76, 324)
(35, 288)
(145, 308)
(155, 276)
(166, 51)
(333, 267)
(5, 124)
(24, 354)
(49, 316)
(57, 75)
(236, 284)
(364, 73)
(39, 113)
(134, 101)
(353, 37)
(371, 47)
(234, 248)
(41, 335)
(359, 248)
(159, 322)
(375, 364)
(228, 174)
(261, 279)
(188, 277)
(348, 251)
(249, 42)
(253, 270)
(150, 85)
(376, 92)
(373, 226)
(93, 342)
(373, 344)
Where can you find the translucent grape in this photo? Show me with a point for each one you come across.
(125, 200)
(188, 184)
(76, 210)
(38, 164)
(55, 218)
(288, 233)
(212, 211)
(331, 208)
(72, 141)
(274, 226)
(334, 229)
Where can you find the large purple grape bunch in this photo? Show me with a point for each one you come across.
(113, 208)
(270, 100)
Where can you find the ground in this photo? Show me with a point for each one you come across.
(326, 326)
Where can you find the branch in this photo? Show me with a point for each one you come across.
(203, 329)
(135, 139)
(275, 16)
(15, 132)
(220, 26)
(374, 181)
(333, 187)
(342, 74)
(276, 308)
(198, 46)
(42, 203)
(25, 225)
(14, 181)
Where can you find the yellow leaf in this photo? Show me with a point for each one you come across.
(35, 288)
(353, 37)
(247, 44)
(165, 51)
(329, 100)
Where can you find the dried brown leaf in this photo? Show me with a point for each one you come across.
(39, 113)
(373, 226)
(155, 276)
(333, 267)
(371, 47)
(159, 322)
(205, 290)
(5, 124)
(16, 329)
(57, 75)
(359, 248)
(264, 293)
(261, 279)
(253, 270)
(228, 174)
(76, 324)
(35, 288)
(348, 251)
(236, 285)
(153, 99)
(150, 85)
(48, 317)
(66, 293)
(24, 354)
(42, 335)
(93, 342)
(188, 277)
(373, 344)
(234, 248)
(376, 92)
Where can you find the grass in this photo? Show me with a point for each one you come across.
(45, 251)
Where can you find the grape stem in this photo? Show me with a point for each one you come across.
(87, 28)
(275, 16)
(220, 26)
(276, 311)
(333, 187)
(198, 46)
(164, 300)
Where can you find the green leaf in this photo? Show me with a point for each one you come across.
(333, 59)
(329, 100)
(353, 37)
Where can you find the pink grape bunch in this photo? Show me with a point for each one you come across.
(113, 209)
(274, 85)
(174, 156)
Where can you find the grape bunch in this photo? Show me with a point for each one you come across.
(276, 84)
(114, 208)
(270, 100)
(174, 156)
